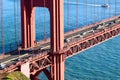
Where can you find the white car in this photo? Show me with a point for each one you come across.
(66, 40)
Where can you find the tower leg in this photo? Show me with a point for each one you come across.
(58, 68)
(57, 38)
(28, 23)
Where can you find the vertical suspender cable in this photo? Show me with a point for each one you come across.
(2, 26)
(97, 12)
(109, 8)
(19, 48)
(18, 20)
(86, 20)
(68, 15)
(44, 21)
(104, 9)
(94, 11)
(76, 13)
(40, 28)
(15, 21)
(40, 25)
(99, 16)
(91, 14)
(115, 7)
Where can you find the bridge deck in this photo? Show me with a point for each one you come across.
(72, 36)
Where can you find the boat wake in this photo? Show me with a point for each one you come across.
(74, 3)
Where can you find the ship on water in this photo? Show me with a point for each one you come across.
(105, 5)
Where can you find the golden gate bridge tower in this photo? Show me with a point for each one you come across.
(56, 8)
(62, 46)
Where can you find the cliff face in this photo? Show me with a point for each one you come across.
(14, 76)
(3, 75)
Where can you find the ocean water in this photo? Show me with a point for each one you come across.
(98, 63)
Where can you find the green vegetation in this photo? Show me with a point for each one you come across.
(13, 76)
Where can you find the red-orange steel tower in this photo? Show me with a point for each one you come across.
(56, 9)
(28, 24)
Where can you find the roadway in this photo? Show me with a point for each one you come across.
(73, 36)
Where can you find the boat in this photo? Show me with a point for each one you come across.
(105, 5)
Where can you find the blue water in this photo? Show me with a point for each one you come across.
(98, 63)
